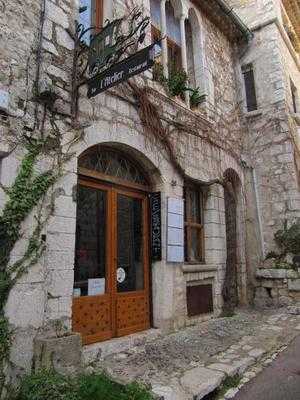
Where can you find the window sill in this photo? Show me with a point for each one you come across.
(198, 267)
(251, 114)
(177, 101)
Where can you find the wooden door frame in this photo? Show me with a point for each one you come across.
(146, 260)
(112, 190)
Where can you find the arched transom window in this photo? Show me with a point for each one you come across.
(112, 163)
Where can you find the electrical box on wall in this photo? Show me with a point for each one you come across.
(4, 100)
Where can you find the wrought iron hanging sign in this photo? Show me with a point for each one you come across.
(110, 44)
(99, 63)
(122, 71)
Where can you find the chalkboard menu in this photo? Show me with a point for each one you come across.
(155, 212)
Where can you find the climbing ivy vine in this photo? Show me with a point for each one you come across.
(28, 189)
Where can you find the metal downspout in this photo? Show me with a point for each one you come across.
(260, 225)
(236, 19)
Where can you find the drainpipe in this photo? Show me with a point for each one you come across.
(242, 27)
(260, 225)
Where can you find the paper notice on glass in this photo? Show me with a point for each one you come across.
(96, 286)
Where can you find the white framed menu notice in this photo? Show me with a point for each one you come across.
(96, 286)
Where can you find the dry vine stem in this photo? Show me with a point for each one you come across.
(153, 126)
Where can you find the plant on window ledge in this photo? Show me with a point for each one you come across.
(195, 97)
(177, 81)
(175, 84)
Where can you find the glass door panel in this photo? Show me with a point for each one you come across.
(130, 265)
(90, 253)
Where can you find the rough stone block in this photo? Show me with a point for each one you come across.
(58, 224)
(201, 381)
(271, 273)
(292, 274)
(229, 370)
(48, 46)
(284, 301)
(230, 394)
(65, 207)
(47, 29)
(163, 392)
(58, 73)
(61, 283)
(59, 260)
(35, 274)
(22, 350)
(60, 241)
(262, 299)
(56, 14)
(256, 353)
(64, 39)
(243, 364)
(294, 310)
(294, 285)
(63, 354)
(26, 304)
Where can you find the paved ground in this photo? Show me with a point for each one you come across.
(195, 361)
(279, 381)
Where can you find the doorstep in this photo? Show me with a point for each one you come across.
(95, 352)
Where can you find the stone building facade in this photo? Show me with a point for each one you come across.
(105, 148)
(274, 56)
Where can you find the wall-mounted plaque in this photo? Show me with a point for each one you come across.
(175, 230)
(155, 212)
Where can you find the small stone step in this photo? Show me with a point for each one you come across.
(201, 381)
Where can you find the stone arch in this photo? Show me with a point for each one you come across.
(122, 138)
(135, 157)
(232, 288)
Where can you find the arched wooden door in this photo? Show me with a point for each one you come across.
(111, 285)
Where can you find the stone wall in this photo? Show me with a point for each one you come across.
(271, 131)
(277, 287)
(41, 302)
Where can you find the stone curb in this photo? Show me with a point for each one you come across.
(205, 380)
(261, 362)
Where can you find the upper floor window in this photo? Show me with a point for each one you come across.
(249, 82)
(194, 232)
(173, 32)
(91, 14)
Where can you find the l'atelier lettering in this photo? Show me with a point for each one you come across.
(109, 80)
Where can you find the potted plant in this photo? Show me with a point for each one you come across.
(177, 82)
(195, 97)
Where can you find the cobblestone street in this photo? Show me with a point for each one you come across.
(194, 361)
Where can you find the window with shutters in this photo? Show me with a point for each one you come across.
(249, 81)
(91, 15)
(194, 232)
